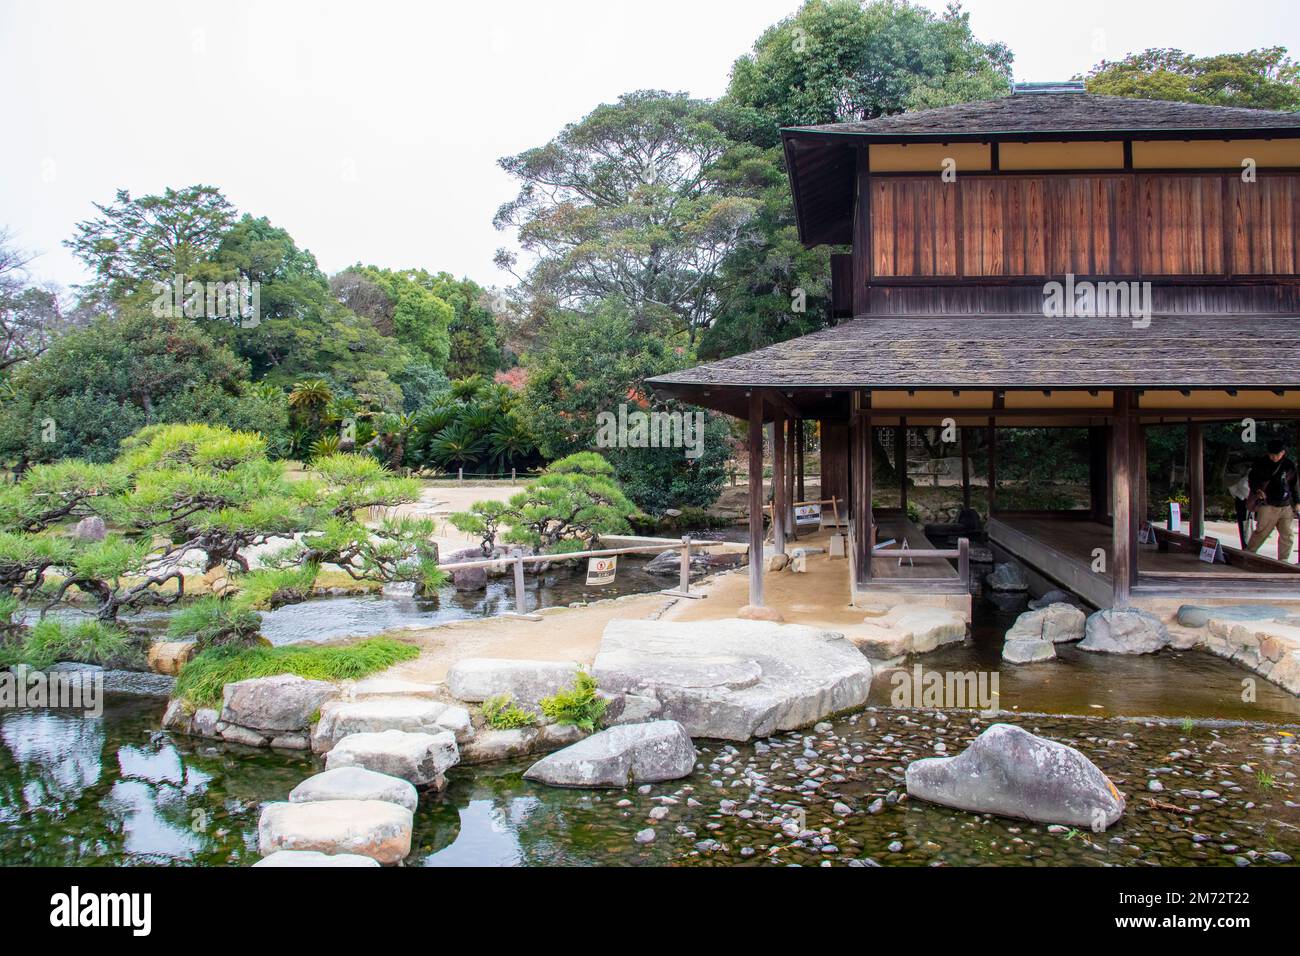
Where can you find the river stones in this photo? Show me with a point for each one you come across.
(418, 758)
(1055, 623)
(355, 783)
(296, 858)
(732, 679)
(338, 719)
(1012, 773)
(1124, 631)
(1027, 651)
(1007, 576)
(623, 756)
(476, 679)
(373, 828)
(281, 703)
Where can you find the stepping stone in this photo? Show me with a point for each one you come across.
(355, 783)
(283, 858)
(341, 718)
(373, 687)
(526, 682)
(418, 758)
(619, 757)
(1017, 651)
(374, 828)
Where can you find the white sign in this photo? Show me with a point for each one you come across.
(1175, 516)
(808, 515)
(601, 570)
(1212, 551)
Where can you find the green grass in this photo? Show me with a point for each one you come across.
(578, 706)
(1265, 780)
(202, 679)
(502, 713)
(210, 620)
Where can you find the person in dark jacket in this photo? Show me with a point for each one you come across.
(1273, 478)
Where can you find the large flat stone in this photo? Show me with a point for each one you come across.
(338, 719)
(1010, 772)
(906, 630)
(418, 758)
(280, 703)
(1193, 615)
(1055, 623)
(732, 679)
(620, 757)
(374, 828)
(373, 687)
(477, 679)
(297, 858)
(355, 783)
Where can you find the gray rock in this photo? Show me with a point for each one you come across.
(622, 756)
(355, 783)
(372, 828)
(1054, 623)
(1007, 576)
(1027, 651)
(468, 579)
(1124, 631)
(1054, 596)
(90, 529)
(235, 734)
(489, 745)
(280, 703)
(295, 858)
(733, 679)
(338, 719)
(1013, 773)
(475, 679)
(1191, 615)
(419, 758)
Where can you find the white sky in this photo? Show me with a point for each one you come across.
(371, 130)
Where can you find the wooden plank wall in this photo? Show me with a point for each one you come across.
(1092, 224)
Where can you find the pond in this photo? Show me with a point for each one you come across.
(116, 791)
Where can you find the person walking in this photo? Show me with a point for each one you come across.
(1275, 500)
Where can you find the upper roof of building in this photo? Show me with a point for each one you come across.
(822, 160)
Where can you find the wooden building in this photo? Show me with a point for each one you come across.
(1052, 259)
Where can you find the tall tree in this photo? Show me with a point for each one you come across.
(627, 203)
(1260, 79)
(29, 314)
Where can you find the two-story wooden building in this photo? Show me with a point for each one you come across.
(1052, 259)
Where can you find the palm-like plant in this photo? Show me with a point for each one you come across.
(456, 446)
(463, 389)
(310, 398)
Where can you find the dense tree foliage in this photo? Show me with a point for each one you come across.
(1260, 79)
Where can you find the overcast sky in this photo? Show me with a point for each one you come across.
(371, 130)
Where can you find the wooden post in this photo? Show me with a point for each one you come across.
(993, 466)
(1123, 557)
(963, 560)
(790, 457)
(1098, 472)
(521, 597)
(800, 440)
(900, 462)
(863, 533)
(755, 498)
(685, 579)
(778, 481)
(965, 470)
(1196, 479)
(1142, 504)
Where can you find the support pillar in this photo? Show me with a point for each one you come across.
(863, 524)
(900, 462)
(965, 469)
(1098, 474)
(1142, 505)
(778, 481)
(1123, 558)
(1196, 479)
(800, 439)
(791, 457)
(756, 499)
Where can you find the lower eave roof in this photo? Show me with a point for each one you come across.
(1015, 352)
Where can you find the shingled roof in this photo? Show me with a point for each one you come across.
(1008, 352)
(822, 160)
(1063, 113)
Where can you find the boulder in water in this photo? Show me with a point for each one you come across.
(1124, 631)
(622, 756)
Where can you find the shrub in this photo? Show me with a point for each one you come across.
(269, 588)
(86, 642)
(212, 621)
(578, 706)
(502, 713)
(202, 679)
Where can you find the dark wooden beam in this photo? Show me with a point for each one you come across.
(1196, 480)
(778, 481)
(756, 498)
(1143, 489)
(900, 462)
(799, 441)
(791, 456)
(862, 266)
(863, 530)
(965, 469)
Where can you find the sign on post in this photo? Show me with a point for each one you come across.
(807, 515)
(601, 571)
(1175, 516)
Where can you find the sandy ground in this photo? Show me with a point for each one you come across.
(440, 501)
(818, 597)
